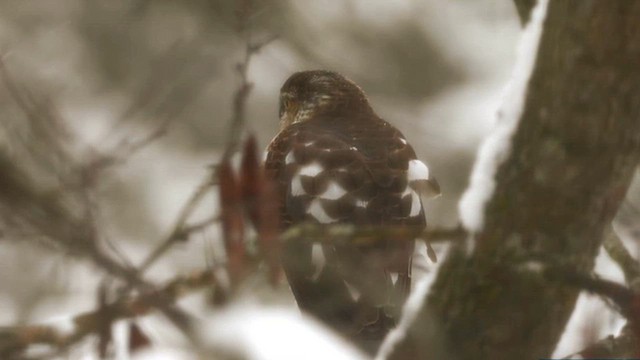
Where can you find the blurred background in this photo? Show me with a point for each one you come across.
(115, 70)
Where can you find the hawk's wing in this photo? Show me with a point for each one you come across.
(352, 172)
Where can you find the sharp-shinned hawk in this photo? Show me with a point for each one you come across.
(336, 162)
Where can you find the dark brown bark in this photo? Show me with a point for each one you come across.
(572, 159)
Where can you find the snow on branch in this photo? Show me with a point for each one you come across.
(496, 147)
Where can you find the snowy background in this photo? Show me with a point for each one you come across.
(436, 69)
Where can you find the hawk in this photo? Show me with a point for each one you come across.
(335, 161)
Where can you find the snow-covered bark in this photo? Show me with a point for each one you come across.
(572, 156)
(496, 147)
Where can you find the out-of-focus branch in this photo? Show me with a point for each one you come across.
(364, 235)
(181, 230)
(558, 182)
(20, 192)
(122, 152)
(197, 227)
(623, 298)
(619, 253)
(45, 126)
(166, 97)
(16, 339)
(27, 204)
(52, 135)
(162, 99)
(244, 13)
(623, 346)
(22, 203)
(524, 8)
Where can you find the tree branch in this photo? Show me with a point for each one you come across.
(365, 235)
(16, 339)
(619, 347)
(180, 230)
(524, 8)
(244, 13)
(619, 253)
(570, 164)
(27, 204)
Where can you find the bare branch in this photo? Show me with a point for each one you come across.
(17, 339)
(244, 13)
(619, 347)
(622, 297)
(122, 152)
(23, 203)
(524, 8)
(367, 235)
(180, 231)
(559, 184)
(619, 253)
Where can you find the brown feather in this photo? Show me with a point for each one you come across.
(367, 159)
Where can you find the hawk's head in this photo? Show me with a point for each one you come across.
(309, 93)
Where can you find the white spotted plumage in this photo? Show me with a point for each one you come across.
(312, 169)
(416, 206)
(336, 162)
(296, 186)
(316, 210)
(417, 171)
(318, 260)
(333, 192)
(290, 158)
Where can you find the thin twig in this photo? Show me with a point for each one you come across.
(238, 117)
(44, 125)
(23, 202)
(47, 211)
(623, 346)
(623, 298)
(360, 235)
(178, 231)
(126, 148)
(15, 339)
(524, 8)
(197, 226)
(44, 115)
(237, 124)
(619, 253)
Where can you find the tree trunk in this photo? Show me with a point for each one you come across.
(572, 158)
